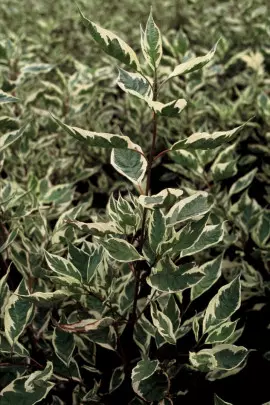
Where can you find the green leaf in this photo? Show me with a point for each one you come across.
(112, 44)
(211, 235)
(7, 98)
(163, 324)
(151, 43)
(243, 182)
(221, 333)
(223, 305)
(143, 370)
(169, 278)
(63, 344)
(204, 140)
(130, 163)
(135, 84)
(28, 389)
(212, 271)
(63, 267)
(193, 64)
(8, 139)
(17, 314)
(219, 401)
(166, 197)
(46, 299)
(121, 250)
(222, 357)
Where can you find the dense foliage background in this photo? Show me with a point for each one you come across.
(49, 61)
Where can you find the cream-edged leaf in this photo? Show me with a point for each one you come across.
(210, 236)
(151, 43)
(130, 163)
(112, 44)
(223, 305)
(219, 401)
(171, 109)
(243, 182)
(204, 140)
(121, 250)
(212, 272)
(17, 314)
(96, 139)
(189, 207)
(135, 84)
(7, 98)
(8, 139)
(86, 325)
(164, 198)
(95, 228)
(168, 277)
(221, 333)
(193, 64)
(144, 369)
(46, 299)
(163, 324)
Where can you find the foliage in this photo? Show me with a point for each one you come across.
(109, 273)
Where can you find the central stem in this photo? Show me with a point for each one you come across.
(147, 190)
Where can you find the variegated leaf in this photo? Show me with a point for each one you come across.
(152, 389)
(243, 182)
(130, 163)
(219, 401)
(166, 197)
(121, 250)
(190, 207)
(212, 271)
(156, 229)
(163, 324)
(221, 333)
(37, 68)
(193, 64)
(171, 109)
(169, 278)
(223, 305)
(204, 140)
(185, 238)
(63, 344)
(7, 98)
(117, 378)
(135, 84)
(151, 43)
(46, 299)
(210, 236)
(28, 389)
(95, 228)
(86, 325)
(112, 44)
(224, 357)
(144, 369)
(96, 139)
(84, 262)
(9, 240)
(63, 267)
(17, 314)
(8, 139)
